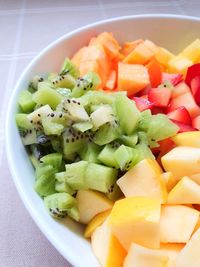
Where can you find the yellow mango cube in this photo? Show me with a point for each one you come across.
(189, 255)
(163, 56)
(179, 64)
(186, 191)
(177, 223)
(136, 219)
(144, 180)
(106, 247)
(195, 177)
(187, 139)
(192, 51)
(182, 161)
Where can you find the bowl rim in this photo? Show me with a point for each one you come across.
(67, 254)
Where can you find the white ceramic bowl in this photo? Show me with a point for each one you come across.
(172, 32)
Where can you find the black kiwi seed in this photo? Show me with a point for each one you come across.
(82, 136)
(39, 115)
(40, 79)
(31, 121)
(67, 140)
(68, 100)
(52, 115)
(73, 139)
(60, 116)
(77, 138)
(91, 84)
(74, 101)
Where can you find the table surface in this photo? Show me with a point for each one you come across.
(27, 27)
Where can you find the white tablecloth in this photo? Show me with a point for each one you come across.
(25, 28)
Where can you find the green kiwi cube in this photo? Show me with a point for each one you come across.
(52, 128)
(22, 121)
(74, 213)
(107, 133)
(54, 159)
(69, 67)
(61, 184)
(82, 126)
(129, 140)
(45, 184)
(144, 152)
(99, 177)
(26, 101)
(90, 153)
(127, 113)
(63, 81)
(106, 156)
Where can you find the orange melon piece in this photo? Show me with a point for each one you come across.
(112, 79)
(142, 53)
(169, 180)
(109, 43)
(132, 78)
(128, 47)
(78, 56)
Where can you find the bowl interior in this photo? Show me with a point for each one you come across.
(172, 32)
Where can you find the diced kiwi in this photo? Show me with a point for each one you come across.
(33, 85)
(144, 152)
(142, 138)
(22, 121)
(35, 117)
(44, 169)
(99, 177)
(58, 204)
(101, 116)
(26, 101)
(114, 193)
(73, 141)
(74, 110)
(145, 119)
(74, 213)
(106, 156)
(89, 82)
(76, 175)
(160, 127)
(127, 113)
(64, 92)
(45, 184)
(63, 81)
(90, 153)
(35, 162)
(82, 126)
(54, 159)
(126, 157)
(69, 67)
(52, 128)
(46, 95)
(61, 185)
(107, 133)
(129, 140)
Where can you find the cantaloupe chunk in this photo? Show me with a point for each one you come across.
(96, 222)
(197, 226)
(109, 43)
(128, 47)
(179, 64)
(132, 78)
(112, 80)
(195, 178)
(186, 191)
(90, 203)
(187, 139)
(186, 100)
(163, 56)
(192, 51)
(144, 180)
(182, 161)
(169, 180)
(189, 255)
(136, 219)
(106, 247)
(177, 223)
(171, 250)
(139, 256)
(142, 53)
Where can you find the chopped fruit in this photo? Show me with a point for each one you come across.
(196, 122)
(141, 225)
(163, 56)
(145, 257)
(142, 103)
(182, 161)
(180, 114)
(186, 191)
(180, 89)
(186, 100)
(195, 177)
(99, 202)
(142, 53)
(160, 97)
(96, 222)
(111, 82)
(130, 46)
(106, 247)
(177, 223)
(173, 78)
(192, 51)
(132, 78)
(155, 73)
(179, 64)
(192, 72)
(183, 127)
(197, 226)
(144, 180)
(189, 255)
(169, 180)
(195, 88)
(187, 139)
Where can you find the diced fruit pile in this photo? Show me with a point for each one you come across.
(115, 144)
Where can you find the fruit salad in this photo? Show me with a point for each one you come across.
(114, 140)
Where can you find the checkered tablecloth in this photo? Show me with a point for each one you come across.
(27, 26)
